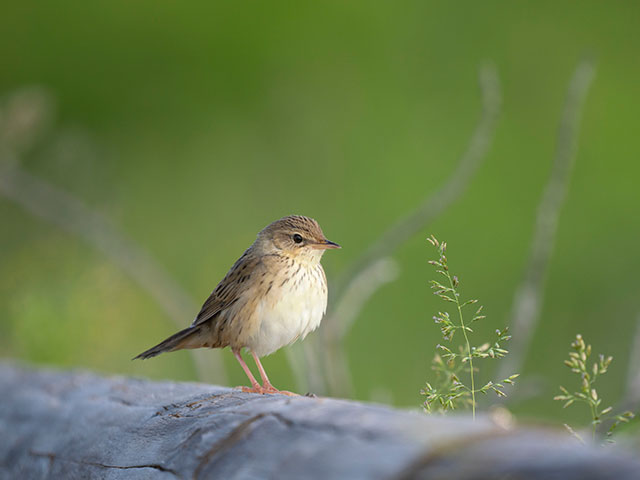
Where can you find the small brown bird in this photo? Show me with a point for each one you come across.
(274, 294)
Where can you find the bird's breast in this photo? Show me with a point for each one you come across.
(293, 307)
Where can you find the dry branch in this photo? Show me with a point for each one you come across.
(341, 314)
(632, 395)
(528, 299)
(63, 209)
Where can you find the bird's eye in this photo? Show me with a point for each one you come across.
(297, 238)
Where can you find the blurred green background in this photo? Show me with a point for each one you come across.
(191, 126)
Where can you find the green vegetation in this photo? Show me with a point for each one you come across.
(450, 391)
(578, 363)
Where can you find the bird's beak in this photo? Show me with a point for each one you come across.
(325, 245)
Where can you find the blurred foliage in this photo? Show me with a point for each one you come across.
(578, 362)
(192, 126)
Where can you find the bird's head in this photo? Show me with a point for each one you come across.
(296, 237)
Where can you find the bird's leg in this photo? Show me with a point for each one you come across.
(266, 384)
(265, 380)
(255, 386)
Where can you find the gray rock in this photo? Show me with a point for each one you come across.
(80, 425)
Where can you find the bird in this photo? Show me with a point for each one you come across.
(273, 295)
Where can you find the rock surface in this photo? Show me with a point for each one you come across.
(80, 425)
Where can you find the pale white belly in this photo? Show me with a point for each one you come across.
(291, 313)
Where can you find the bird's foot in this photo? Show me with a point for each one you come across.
(255, 389)
(267, 390)
(270, 389)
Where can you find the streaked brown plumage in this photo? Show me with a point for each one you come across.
(275, 293)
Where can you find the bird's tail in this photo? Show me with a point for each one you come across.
(187, 338)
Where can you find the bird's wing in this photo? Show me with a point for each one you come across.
(230, 289)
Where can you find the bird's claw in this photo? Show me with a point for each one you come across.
(268, 390)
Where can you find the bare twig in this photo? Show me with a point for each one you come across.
(304, 357)
(25, 116)
(574, 434)
(64, 210)
(528, 298)
(359, 291)
(346, 305)
(61, 208)
(632, 395)
(631, 399)
(342, 317)
(437, 202)
(304, 361)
